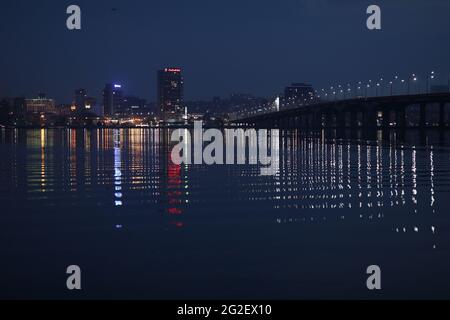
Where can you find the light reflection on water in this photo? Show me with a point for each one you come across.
(351, 198)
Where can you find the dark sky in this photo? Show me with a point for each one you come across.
(224, 46)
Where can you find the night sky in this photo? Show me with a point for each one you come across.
(254, 46)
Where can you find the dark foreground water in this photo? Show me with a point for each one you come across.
(111, 202)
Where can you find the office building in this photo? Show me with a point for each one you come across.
(41, 104)
(80, 100)
(134, 105)
(112, 99)
(170, 94)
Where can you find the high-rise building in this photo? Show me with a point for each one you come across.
(170, 94)
(80, 100)
(112, 99)
(90, 106)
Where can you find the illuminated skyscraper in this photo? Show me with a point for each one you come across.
(112, 99)
(170, 94)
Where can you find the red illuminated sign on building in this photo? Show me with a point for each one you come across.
(174, 70)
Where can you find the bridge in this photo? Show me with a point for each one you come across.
(399, 111)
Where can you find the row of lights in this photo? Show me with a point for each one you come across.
(335, 91)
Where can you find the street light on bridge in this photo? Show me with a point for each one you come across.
(413, 77)
(429, 77)
(358, 88)
(394, 82)
(381, 85)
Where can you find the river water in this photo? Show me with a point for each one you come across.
(141, 227)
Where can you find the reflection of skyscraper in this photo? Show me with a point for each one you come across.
(117, 169)
(112, 99)
(170, 94)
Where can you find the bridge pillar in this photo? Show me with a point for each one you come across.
(318, 119)
(423, 115)
(301, 121)
(442, 115)
(354, 119)
(400, 117)
(274, 123)
(312, 123)
(329, 119)
(295, 122)
(313, 120)
(370, 118)
(386, 117)
(344, 119)
(340, 119)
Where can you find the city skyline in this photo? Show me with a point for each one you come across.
(268, 46)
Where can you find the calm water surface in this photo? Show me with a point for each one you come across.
(110, 201)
